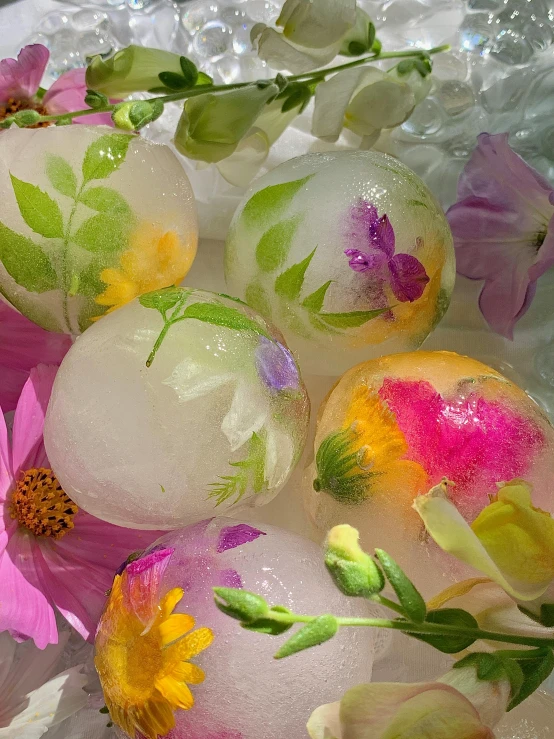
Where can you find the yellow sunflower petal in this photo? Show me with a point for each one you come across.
(188, 673)
(194, 643)
(154, 718)
(177, 693)
(174, 627)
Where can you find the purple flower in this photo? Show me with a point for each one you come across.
(403, 272)
(503, 230)
(276, 366)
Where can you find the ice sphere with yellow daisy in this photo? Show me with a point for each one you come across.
(172, 665)
(90, 219)
(394, 427)
(180, 404)
(348, 253)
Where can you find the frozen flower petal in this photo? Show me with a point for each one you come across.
(141, 587)
(276, 366)
(408, 277)
(246, 416)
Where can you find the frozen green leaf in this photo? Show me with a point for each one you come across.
(266, 205)
(101, 234)
(353, 319)
(406, 592)
(106, 200)
(274, 246)
(38, 210)
(25, 262)
(61, 175)
(314, 302)
(163, 300)
(222, 315)
(256, 297)
(105, 155)
(289, 284)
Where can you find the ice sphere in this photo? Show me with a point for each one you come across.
(91, 218)
(395, 426)
(178, 404)
(246, 694)
(348, 253)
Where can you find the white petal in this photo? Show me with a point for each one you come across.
(324, 723)
(243, 165)
(189, 380)
(279, 53)
(48, 705)
(383, 104)
(318, 23)
(333, 96)
(279, 457)
(246, 416)
(420, 86)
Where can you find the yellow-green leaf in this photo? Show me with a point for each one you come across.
(38, 210)
(105, 155)
(26, 262)
(61, 175)
(266, 205)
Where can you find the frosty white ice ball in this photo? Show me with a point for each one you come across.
(348, 253)
(91, 218)
(224, 677)
(179, 404)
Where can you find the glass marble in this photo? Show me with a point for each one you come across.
(90, 219)
(348, 253)
(246, 694)
(179, 404)
(395, 426)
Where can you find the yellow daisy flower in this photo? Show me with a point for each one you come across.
(155, 260)
(367, 451)
(145, 670)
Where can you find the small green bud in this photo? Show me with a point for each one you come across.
(26, 118)
(121, 118)
(65, 121)
(405, 67)
(96, 99)
(376, 46)
(7, 122)
(320, 630)
(281, 82)
(353, 571)
(240, 604)
(140, 114)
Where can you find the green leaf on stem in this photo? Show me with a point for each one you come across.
(410, 598)
(190, 70)
(251, 472)
(222, 315)
(61, 175)
(101, 234)
(352, 319)
(106, 200)
(25, 262)
(545, 617)
(256, 297)
(174, 82)
(162, 300)
(105, 155)
(268, 625)
(449, 643)
(274, 245)
(318, 631)
(38, 210)
(266, 205)
(289, 284)
(535, 671)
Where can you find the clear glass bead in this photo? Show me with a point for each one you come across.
(427, 119)
(213, 40)
(455, 97)
(263, 11)
(476, 32)
(233, 15)
(242, 43)
(198, 14)
(228, 69)
(89, 19)
(95, 42)
(54, 22)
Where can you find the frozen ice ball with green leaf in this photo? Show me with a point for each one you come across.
(91, 218)
(348, 253)
(179, 405)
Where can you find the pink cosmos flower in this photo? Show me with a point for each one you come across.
(404, 273)
(20, 80)
(503, 230)
(52, 555)
(23, 345)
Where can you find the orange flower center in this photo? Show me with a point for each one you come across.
(13, 106)
(40, 505)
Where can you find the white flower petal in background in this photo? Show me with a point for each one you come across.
(318, 23)
(189, 380)
(333, 96)
(279, 456)
(31, 702)
(279, 53)
(384, 103)
(246, 416)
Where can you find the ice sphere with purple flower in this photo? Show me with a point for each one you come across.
(180, 404)
(346, 251)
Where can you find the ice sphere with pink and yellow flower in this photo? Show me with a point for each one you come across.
(91, 218)
(395, 426)
(348, 253)
(173, 666)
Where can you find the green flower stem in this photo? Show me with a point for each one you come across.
(409, 627)
(201, 89)
(168, 323)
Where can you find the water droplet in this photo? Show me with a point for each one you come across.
(455, 97)
(213, 40)
(195, 17)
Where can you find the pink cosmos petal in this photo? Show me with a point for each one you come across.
(67, 94)
(6, 474)
(24, 345)
(24, 609)
(141, 587)
(408, 277)
(235, 536)
(27, 445)
(21, 78)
